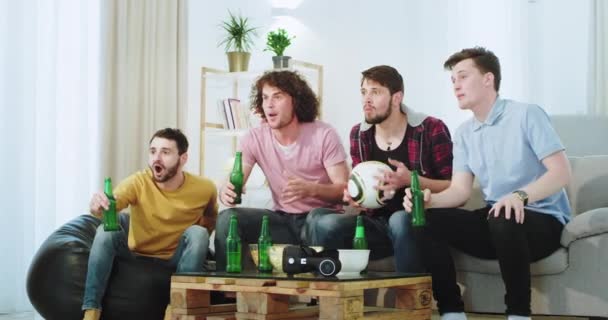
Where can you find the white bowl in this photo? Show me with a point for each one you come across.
(353, 261)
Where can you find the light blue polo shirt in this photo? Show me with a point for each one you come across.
(505, 153)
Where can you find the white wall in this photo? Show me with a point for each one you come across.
(535, 41)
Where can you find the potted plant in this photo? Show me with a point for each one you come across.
(238, 41)
(277, 42)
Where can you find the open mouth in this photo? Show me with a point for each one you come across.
(157, 168)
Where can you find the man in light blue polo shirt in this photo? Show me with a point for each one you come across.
(520, 163)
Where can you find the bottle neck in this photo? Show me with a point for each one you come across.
(108, 188)
(238, 163)
(415, 184)
(359, 232)
(232, 232)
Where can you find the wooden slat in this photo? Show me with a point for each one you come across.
(296, 313)
(293, 284)
(221, 308)
(188, 279)
(222, 316)
(189, 311)
(189, 317)
(369, 284)
(413, 298)
(337, 308)
(189, 298)
(220, 280)
(261, 303)
(255, 282)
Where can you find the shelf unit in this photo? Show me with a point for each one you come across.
(234, 81)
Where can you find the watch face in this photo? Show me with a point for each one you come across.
(522, 195)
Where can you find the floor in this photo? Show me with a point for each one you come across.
(30, 316)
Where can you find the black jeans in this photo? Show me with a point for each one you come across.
(473, 232)
(284, 228)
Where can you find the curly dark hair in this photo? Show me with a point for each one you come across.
(484, 59)
(305, 101)
(173, 134)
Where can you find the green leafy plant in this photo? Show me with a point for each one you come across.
(277, 41)
(239, 33)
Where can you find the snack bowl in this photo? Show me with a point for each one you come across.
(353, 261)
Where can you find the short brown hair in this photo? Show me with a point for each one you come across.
(386, 76)
(306, 104)
(173, 134)
(484, 59)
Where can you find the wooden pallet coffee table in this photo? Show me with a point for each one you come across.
(266, 296)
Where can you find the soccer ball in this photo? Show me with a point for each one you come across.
(362, 183)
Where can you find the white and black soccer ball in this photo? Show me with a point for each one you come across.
(362, 184)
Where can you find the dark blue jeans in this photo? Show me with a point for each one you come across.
(386, 236)
(189, 256)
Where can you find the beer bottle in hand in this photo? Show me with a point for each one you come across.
(359, 241)
(110, 218)
(233, 247)
(236, 177)
(418, 219)
(264, 244)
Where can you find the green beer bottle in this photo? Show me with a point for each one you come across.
(236, 177)
(233, 247)
(359, 241)
(418, 219)
(110, 218)
(264, 244)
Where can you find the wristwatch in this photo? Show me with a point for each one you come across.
(522, 195)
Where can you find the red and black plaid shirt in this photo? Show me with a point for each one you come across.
(429, 147)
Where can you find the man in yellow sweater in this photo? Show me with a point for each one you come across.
(172, 214)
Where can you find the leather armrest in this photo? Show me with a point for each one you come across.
(590, 223)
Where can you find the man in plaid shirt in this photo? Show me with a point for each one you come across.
(405, 140)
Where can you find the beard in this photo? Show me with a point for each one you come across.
(169, 173)
(379, 118)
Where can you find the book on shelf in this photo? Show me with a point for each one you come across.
(235, 115)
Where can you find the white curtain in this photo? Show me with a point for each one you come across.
(598, 62)
(144, 86)
(49, 128)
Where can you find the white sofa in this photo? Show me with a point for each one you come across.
(571, 281)
(574, 280)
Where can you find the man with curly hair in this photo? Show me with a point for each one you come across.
(301, 157)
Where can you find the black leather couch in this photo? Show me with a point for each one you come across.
(138, 289)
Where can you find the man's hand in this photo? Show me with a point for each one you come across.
(394, 180)
(508, 202)
(227, 194)
(407, 200)
(99, 203)
(296, 189)
(349, 200)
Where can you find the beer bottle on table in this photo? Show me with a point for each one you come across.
(359, 241)
(233, 247)
(236, 177)
(110, 218)
(264, 244)
(418, 219)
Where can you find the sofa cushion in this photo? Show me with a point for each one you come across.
(553, 264)
(584, 225)
(589, 184)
